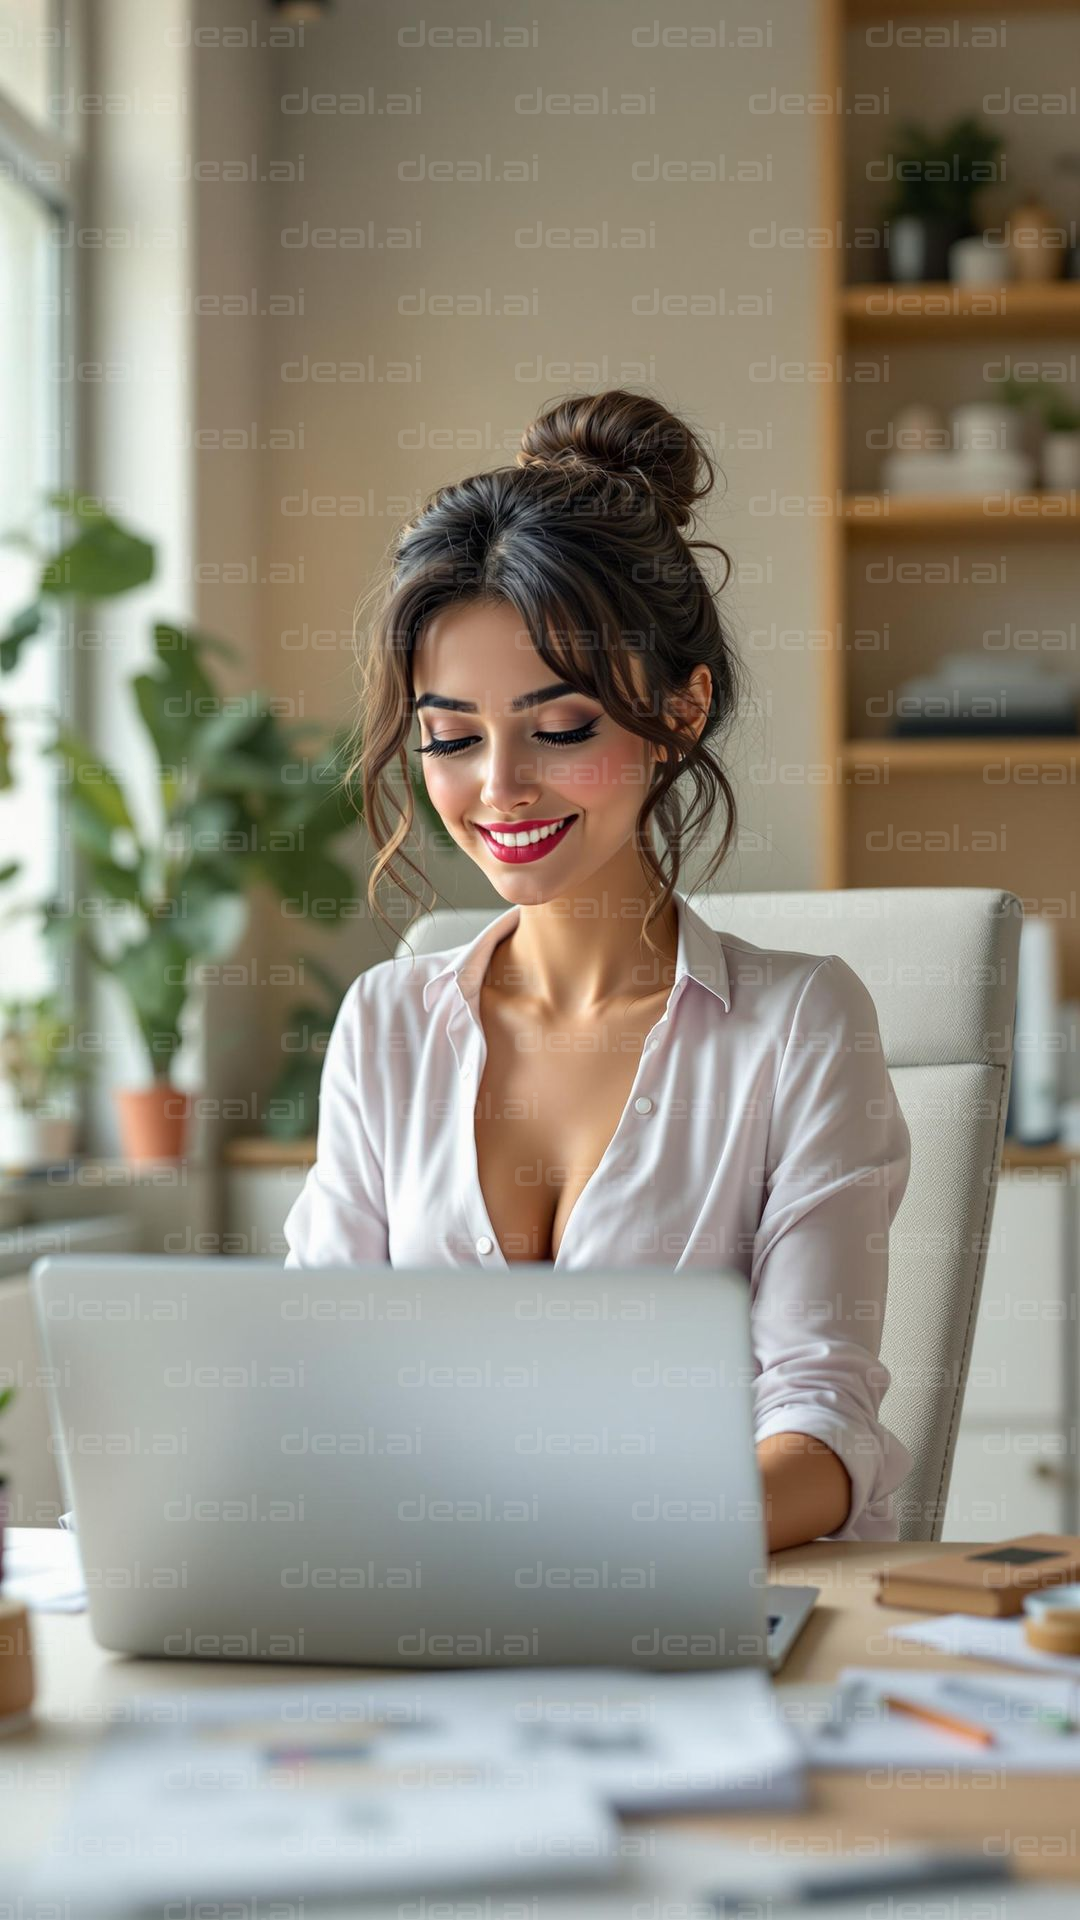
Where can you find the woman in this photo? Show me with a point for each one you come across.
(599, 1076)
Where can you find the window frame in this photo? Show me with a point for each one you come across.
(48, 161)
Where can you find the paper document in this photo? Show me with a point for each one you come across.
(982, 1639)
(638, 1740)
(408, 1782)
(248, 1810)
(1024, 1713)
(42, 1569)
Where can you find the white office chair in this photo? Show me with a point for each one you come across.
(941, 964)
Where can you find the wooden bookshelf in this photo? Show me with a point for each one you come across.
(934, 811)
(1035, 515)
(857, 10)
(938, 310)
(259, 1150)
(1015, 1156)
(950, 755)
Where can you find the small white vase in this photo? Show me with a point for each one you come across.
(34, 1139)
(984, 426)
(978, 261)
(1061, 461)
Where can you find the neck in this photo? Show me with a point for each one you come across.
(576, 958)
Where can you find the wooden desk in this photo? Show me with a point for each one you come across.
(1034, 1817)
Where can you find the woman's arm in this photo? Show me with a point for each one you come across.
(339, 1216)
(806, 1489)
(836, 1166)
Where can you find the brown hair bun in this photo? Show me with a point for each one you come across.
(626, 434)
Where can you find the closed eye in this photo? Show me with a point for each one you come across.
(570, 739)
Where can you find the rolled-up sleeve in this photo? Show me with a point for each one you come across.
(837, 1164)
(339, 1216)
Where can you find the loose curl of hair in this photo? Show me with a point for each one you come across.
(583, 536)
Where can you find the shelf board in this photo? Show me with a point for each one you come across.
(955, 755)
(260, 1150)
(1036, 515)
(856, 10)
(1057, 1154)
(937, 309)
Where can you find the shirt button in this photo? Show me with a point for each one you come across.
(485, 1244)
(643, 1104)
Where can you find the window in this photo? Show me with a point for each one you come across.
(29, 35)
(40, 178)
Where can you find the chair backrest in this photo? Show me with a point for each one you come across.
(941, 964)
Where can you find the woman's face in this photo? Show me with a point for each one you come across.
(560, 759)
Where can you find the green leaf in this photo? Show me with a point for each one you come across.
(292, 1110)
(213, 643)
(80, 506)
(94, 788)
(316, 801)
(180, 649)
(223, 732)
(154, 975)
(60, 927)
(239, 773)
(7, 778)
(207, 820)
(103, 561)
(169, 735)
(19, 630)
(111, 880)
(207, 919)
(303, 877)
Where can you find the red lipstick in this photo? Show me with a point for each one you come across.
(532, 849)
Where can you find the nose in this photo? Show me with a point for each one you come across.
(506, 786)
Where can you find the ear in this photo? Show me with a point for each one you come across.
(688, 709)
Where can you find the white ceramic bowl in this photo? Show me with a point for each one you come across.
(1065, 1598)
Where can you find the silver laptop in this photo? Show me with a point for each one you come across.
(412, 1468)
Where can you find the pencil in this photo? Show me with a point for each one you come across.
(971, 1728)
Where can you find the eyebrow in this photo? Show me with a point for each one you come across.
(537, 699)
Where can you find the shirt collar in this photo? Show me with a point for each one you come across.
(700, 956)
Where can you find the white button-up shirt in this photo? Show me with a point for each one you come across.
(762, 1134)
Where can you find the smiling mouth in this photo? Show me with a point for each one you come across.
(522, 844)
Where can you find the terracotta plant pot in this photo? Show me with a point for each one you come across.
(1036, 242)
(1061, 461)
(153, 1121)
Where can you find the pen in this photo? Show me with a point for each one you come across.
(971, 1729)
(922, 1868)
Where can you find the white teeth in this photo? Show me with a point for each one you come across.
(526, 839)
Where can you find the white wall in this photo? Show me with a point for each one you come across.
(373, 398)
(665, 314)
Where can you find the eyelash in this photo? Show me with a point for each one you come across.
(440, 747)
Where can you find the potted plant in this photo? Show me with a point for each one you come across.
(1008, 424)
(1061, 442)
(239, 804)
(7, 1395)
(936, 180)
(39, 1067)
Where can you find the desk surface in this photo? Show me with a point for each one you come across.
(1035, 1817)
